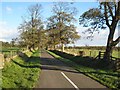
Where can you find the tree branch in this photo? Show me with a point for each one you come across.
(115, 7)
(110, 10)
(117, 14)
(116, 41)
(106, 16)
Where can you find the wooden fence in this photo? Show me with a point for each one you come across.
(114, 60)
(100, 55)
(7, 56)
(10, 54)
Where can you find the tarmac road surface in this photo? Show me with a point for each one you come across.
(56, 74)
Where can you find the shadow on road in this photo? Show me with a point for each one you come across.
(43, 63)
(83, 60)
(49, 63)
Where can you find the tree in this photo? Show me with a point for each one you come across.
(61, 24)
(5, 44)
(107, 15)
(13, 42)
(31, 27)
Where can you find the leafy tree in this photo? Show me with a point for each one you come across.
(43, 39)
(61, 24)
(5, 44)
(107, 15)
(13, 42)
(31, 27)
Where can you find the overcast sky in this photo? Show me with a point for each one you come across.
(12, 11)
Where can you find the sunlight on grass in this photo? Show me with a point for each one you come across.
(91, 52)
(19, 73)
(108, 78)
(28, 53)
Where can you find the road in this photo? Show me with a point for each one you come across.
(56, 74)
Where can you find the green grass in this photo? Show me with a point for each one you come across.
(108, 78)
(28, 53)
(10, 51)
(91, 52)
(5, 49)
(21, 72)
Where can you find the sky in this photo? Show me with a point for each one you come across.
(11, 13)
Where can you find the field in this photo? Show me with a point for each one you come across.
(91, 52)
(89, 67)
(10, 51)
(22, 71)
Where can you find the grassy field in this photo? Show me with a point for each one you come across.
(22, 72)
(92, 52)
(10, 51)
(101, 74)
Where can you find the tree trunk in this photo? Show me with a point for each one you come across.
(108, 53)
(30, 48)
(33, 47)
(54, 47)
(109, 47)
(27, 47)
(63, 47)
(112, 27)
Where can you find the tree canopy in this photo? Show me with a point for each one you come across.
(106, 15)
(31, 27)
(61, 24)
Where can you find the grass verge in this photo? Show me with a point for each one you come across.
(21, 72)
(105, 77)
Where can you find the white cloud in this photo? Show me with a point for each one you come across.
(99, 39)
(7, 33)
(3, 40)
(9, 9)
(2, 23)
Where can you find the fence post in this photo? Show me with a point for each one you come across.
(95, 54)
(90, 53)
(11, 54)
(99, 55)
(117, 64)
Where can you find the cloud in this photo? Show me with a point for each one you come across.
(7, 33)
(2, 23)
(3, 40)
(99, 39)
(8, 9)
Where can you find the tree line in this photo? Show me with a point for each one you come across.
(60, 26)
(60, 29)
(91, 47)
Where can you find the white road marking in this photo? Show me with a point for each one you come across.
(70, 81)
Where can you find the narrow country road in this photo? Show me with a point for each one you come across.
(56, 74)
